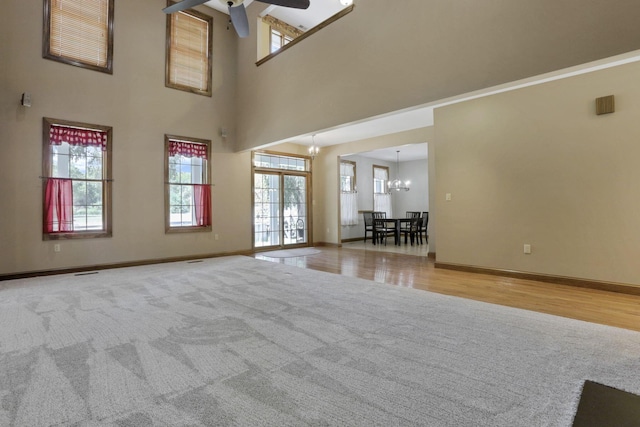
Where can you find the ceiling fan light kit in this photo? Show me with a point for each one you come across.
(237, 11)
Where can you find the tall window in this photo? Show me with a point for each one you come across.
(77, 180)
(381, 196)
(188, 189)
(188, 60)
(348, 194)
(79, 32)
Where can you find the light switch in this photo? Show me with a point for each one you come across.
(447, 197)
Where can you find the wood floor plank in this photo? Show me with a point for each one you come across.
(419, 272)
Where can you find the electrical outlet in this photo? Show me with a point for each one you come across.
(527, 248)
(447, 197)
(56, 247)
(216, 237)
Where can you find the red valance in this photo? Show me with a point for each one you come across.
(76, 136)
(188, 149)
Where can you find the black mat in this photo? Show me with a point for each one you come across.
(604, 406)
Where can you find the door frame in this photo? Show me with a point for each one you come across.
(282, 173)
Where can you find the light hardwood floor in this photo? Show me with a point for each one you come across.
(415, 270)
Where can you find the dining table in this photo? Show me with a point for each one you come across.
(397, 226)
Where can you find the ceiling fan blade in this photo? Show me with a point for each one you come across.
(297, 4)
(182, 5)
(238, 16)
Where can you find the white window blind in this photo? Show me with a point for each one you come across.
(189, 52)
(79, 31)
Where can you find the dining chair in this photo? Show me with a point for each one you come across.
(408, 214)
(368, 224)
(412, 230)
(423, 227)
(381, 227)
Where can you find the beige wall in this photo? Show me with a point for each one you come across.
(376, 60)
(141, 110)
(538, 166)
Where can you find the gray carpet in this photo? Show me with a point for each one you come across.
(238, 341)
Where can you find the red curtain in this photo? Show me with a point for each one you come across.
(77, 136)
(188, 149)
(202, 202)
(58, 205)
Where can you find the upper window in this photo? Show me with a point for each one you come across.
(278, 39)
(77, 174)
(189, 36)
(282, 27)
(188, 189)
(80, 33)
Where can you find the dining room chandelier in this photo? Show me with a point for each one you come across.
(314, 149)
(397, 184)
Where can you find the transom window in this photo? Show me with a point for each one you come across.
(188, 189)
(77, 180)
(189, 36)
(275, 161)
(80, 33)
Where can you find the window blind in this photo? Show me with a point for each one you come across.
(79, 30)
(189, 52)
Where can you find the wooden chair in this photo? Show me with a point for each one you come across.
(409, 214)
(368, 225)
(423, 227)
(412, 230)
(381, 227)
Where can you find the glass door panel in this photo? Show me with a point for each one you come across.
(296, 223)
(267, 217)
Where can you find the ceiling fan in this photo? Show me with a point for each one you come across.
(237, 11)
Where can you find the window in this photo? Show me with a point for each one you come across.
(77, 180)
(188, 68)
(269, 28)
(348, 193)
(347, 176)
(80, 33)
(381, 196)
(278, 39)
(380, 179)
(188, 189)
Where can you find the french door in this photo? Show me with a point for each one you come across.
(280, 208)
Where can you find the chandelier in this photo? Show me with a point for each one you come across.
(397, 184)
(314, 149)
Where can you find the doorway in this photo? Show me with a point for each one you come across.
(281, 217)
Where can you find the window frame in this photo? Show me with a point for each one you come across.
(106, 180)
(167, 193)
(77, 62)
(168, 49)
